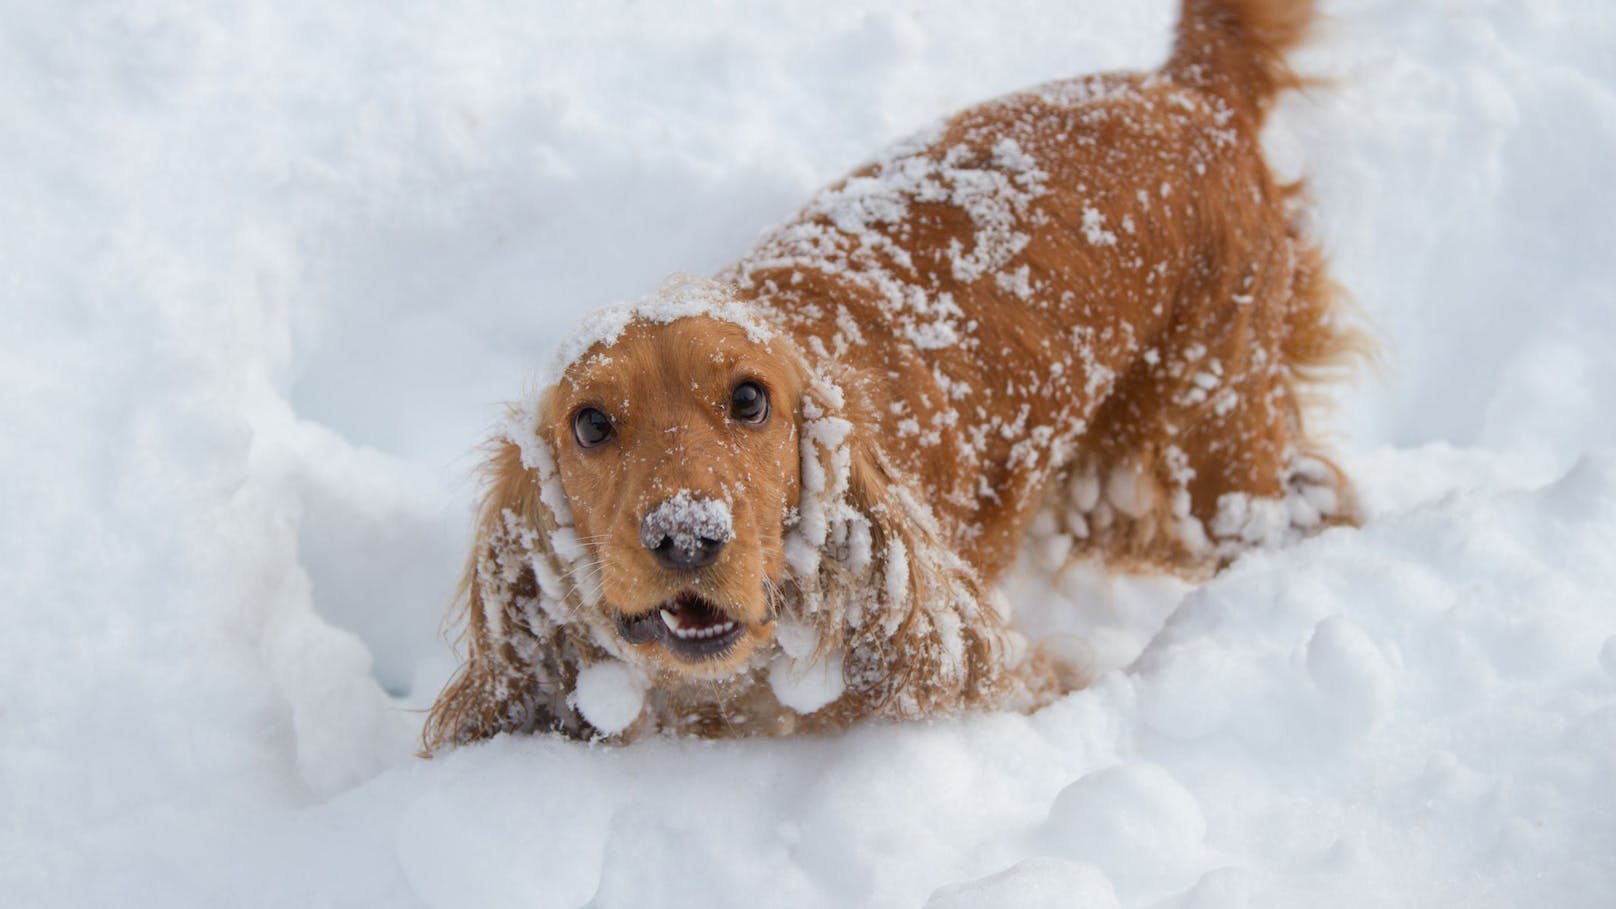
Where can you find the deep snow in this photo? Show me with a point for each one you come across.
(270, 267)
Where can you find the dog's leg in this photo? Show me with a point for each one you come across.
(1256, 476)
(1202, 449)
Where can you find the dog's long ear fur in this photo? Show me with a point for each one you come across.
(875, 577)
(517, 588)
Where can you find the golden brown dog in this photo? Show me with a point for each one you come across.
(779, 500)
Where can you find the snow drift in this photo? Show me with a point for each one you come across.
(270, 268)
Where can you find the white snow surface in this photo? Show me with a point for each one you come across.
(269, 267)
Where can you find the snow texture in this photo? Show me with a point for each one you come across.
(610, 695)
(806, 684)
(680, 297)
(268, 266)
(688, 520)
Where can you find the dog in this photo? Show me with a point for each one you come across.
(779, 500)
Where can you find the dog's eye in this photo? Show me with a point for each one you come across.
(749, 403)
(591, 427)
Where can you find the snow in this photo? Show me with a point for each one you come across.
(688, 520)
(806, 684)
(1032, 884)
(269, 268)
(610, 695)
(680, 296)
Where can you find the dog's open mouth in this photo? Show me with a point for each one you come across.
(688, 625)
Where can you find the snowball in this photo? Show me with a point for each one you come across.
(1129, 490)
(610, 695)
(799, 641)
(806, 686)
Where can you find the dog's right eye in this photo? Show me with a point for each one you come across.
(591, 427)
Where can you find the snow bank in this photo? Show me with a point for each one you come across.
(1372, 714)
(269, 268)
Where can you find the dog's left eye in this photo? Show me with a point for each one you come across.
(749, 402)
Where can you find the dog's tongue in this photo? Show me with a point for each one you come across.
(691, 612)
(694, 612)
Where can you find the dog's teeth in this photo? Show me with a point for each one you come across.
(671, 619)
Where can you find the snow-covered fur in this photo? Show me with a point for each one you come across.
(1090, 297)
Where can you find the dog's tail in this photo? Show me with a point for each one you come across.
(1236, 48)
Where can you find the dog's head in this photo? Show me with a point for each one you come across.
(676, 443)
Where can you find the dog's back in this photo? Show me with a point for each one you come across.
(1092, 290)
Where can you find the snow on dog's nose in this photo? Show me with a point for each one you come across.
(687, 532)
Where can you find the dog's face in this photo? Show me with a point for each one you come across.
(677, 446)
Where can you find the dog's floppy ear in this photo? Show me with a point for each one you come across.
(517, 589)
(912, 623)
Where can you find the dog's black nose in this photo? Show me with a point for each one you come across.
(687, 532)
(687, 553)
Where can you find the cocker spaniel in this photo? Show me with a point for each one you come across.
(779, 500)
